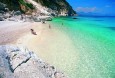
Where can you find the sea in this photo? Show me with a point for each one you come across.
(92, 54)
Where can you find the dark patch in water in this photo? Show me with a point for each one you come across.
(70, 19)
(75, 18)
(112, 28)
(98, 20)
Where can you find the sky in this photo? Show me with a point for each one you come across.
(94, 7)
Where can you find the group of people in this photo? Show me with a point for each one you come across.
(34, 33)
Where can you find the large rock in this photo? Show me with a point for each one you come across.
(4, 65)
(36, 19)
(1, 19)
(21, 63)
(7, 15)
(17, 13)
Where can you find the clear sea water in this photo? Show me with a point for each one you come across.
(94, 42)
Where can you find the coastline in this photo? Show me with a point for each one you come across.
(19, 34)
(47, 44)
(76, 50)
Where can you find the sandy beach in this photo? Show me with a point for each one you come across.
(47, 44)
(52, 45)
(74, 48)
(10, 32)
(20, 34)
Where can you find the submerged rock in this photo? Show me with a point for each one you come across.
(21, 63)
(75, 18)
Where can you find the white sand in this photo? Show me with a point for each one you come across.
(52, 45)
(11, 31)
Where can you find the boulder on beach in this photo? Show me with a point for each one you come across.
(36, 19)
(18, 62)
(17, 13)
(7, 15)
(48, 19)
(1, 19)
(12, 19)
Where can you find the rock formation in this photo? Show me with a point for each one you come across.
(20, 63)
(52, 7)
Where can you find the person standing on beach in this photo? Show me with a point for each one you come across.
(49, 26)
(21, 17)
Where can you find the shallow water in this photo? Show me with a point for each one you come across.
(92, 50)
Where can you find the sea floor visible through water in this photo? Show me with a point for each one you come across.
(81, 48)
(92, 50)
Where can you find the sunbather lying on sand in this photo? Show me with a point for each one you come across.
(33, 32)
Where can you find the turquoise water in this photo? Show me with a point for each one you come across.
(94, 40)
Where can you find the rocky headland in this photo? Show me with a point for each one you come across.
(34, 10)
(45, 7)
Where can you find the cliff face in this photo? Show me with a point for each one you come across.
(54, 7)
(62, 7)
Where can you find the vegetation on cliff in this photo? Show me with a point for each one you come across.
(59, 7)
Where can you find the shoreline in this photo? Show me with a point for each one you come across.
(11, 31)
(21, 36)
(47, 44)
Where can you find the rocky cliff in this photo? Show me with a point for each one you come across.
(54, 7)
